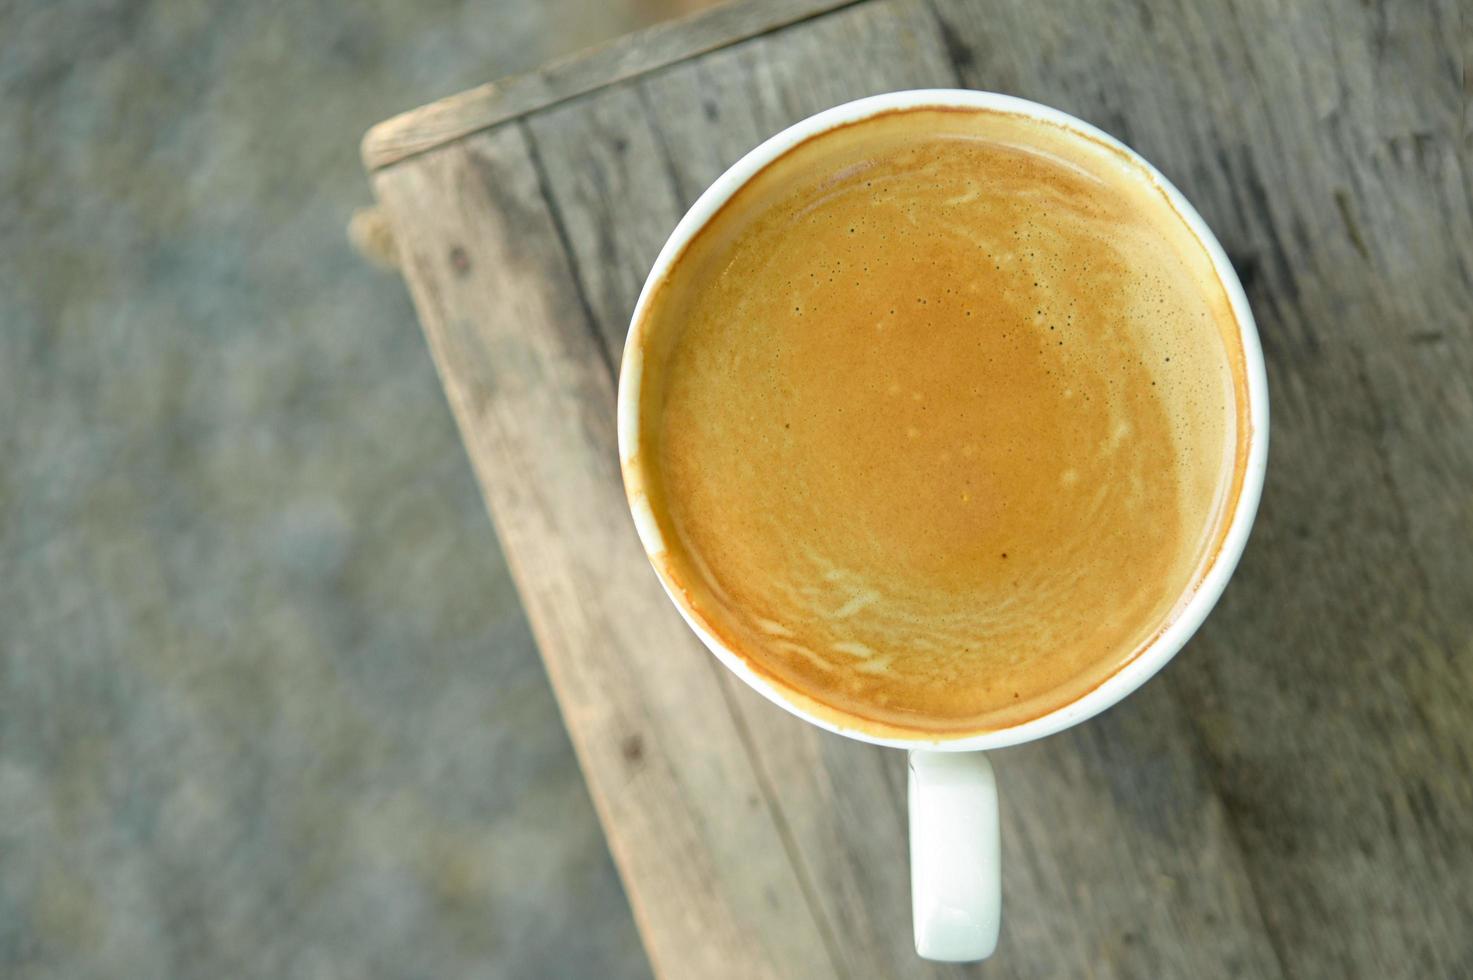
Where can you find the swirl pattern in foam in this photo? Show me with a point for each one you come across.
(941, 418)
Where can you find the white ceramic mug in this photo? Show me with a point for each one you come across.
(954, 842)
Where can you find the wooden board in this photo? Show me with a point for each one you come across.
(627, 57)
(1293, 797)
(1331, 691)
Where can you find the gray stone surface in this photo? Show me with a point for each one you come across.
(268, 706)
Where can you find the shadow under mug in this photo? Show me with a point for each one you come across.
(956, 879)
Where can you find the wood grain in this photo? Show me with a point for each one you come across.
(1293, 797)
(1332, 691)
(623, 58)
(712, 884)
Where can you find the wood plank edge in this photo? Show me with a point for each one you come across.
(413, 132)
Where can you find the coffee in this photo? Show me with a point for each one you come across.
(942, 418)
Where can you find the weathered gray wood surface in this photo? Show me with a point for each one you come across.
(1294, 797)
(623, 58)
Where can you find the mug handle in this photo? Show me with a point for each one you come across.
(955, 874)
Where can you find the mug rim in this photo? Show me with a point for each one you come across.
(1208, 587)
